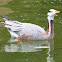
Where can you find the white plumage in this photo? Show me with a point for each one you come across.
(19, 29)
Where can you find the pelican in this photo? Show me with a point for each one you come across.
(30, 31)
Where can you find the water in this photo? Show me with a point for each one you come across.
(33, 11)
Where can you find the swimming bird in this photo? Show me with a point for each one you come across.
(30, 31)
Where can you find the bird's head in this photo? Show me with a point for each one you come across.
(52, 13)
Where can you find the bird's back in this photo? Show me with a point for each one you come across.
(32, 30)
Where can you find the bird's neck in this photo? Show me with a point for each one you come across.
(50, 27)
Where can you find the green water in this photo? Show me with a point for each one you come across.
(32, 11)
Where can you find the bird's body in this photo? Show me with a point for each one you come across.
(25, 30)
(30, 31)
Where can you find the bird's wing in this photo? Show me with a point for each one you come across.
(24, 28)
(32, 29)
(12, 24)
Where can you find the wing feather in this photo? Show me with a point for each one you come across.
(13, 26)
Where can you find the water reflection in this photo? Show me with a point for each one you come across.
(31, 46)
(26, 46)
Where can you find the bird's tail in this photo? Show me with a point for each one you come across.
(2, 22)
(7, 18)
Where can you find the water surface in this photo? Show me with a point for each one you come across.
(33, 11)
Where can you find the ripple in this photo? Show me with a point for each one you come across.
(28, 6)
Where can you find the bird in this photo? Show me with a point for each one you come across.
(30, 31)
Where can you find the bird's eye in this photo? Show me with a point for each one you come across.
(49, 11)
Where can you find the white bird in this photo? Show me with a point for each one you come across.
(30, 31)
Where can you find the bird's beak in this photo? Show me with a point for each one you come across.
(57, 12)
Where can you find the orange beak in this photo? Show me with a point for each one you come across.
(57, 12)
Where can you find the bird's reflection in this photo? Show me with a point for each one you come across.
(26, 46)
(30, 46)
